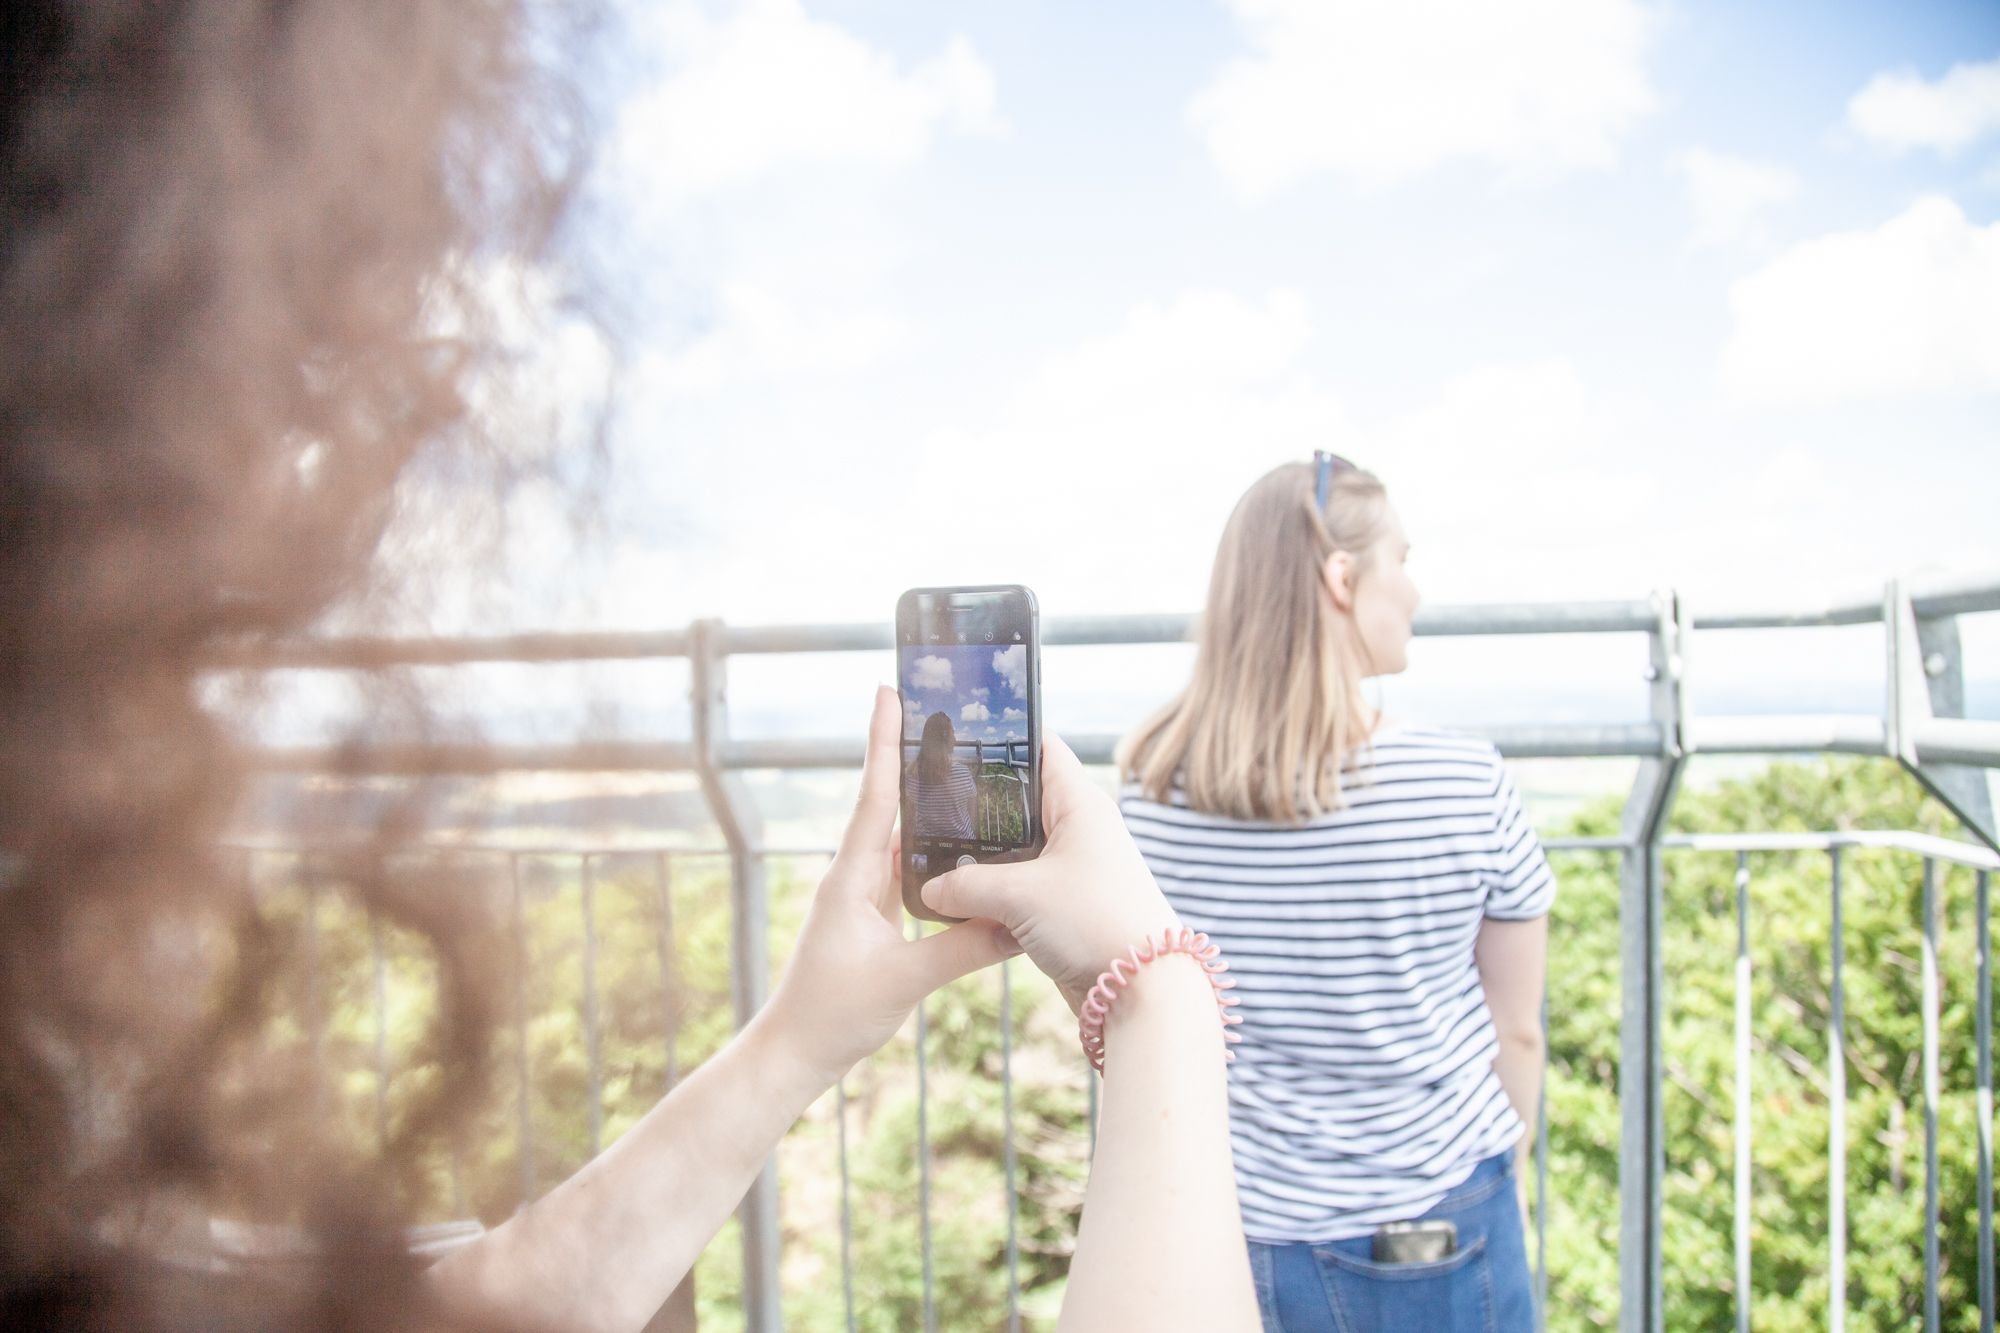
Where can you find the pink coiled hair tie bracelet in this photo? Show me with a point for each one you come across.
(1176, 939)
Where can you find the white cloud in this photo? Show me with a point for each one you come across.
(759, 335)
(1912, 305)
(768, 87)
(980, 693)
(1728, 195)
(1900, 110)
(1530, 440)
(974, 712)
(1380, 90)
(1013, 715)
(931, 673)
(1012, 664)
(1206, 384)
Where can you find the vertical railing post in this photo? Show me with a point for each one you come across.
(1932, 1002)
(1743, 1178)
(524, 1129)
(1983, 1097)
(1007, 1148)
(1642, 1130)
(735, 814)
(1542, 1180)
(593, 1036)
(846, 1209)
(1836, 1109)
(378, 961)
(663, 941)
(315, 987)
(924, 1157)
(1926, 673)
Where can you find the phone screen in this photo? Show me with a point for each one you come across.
(969, 675)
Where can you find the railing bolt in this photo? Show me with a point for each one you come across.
(1650, 673)
(1934, 665)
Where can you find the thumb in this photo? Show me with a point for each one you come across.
(950, 954)
(971, 891)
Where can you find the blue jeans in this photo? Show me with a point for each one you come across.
(1336, 1287)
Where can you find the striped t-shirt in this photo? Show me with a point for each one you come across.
(943, 809)
(1364, 1088)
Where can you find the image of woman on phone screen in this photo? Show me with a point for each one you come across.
(1383, 903)
(942, 790)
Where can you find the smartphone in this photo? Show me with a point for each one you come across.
(1424, 1242)
(969, 674)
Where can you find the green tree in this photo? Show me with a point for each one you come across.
(654, 1015)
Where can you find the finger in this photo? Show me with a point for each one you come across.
(993, 892)
(875, 809)
(950, 954)
(1065, 781)
(889, 885)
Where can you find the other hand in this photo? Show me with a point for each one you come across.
(1086, 900)
(853, 977)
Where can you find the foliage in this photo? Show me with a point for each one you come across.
(1003, 812)
(663, 1005)
(1790, 957)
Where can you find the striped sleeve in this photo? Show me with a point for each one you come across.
(1519, 883)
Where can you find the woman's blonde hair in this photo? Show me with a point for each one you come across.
(1275, 706)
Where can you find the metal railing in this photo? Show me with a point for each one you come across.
(1922, 725)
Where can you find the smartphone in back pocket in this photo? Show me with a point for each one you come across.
(1424, 1242)
(968, 673)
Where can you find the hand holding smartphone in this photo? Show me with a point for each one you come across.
(969, 680)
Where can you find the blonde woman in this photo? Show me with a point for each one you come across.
(1383, 904)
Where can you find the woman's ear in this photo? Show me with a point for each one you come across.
(1337, 573)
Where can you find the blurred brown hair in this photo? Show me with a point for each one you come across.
(240, 299)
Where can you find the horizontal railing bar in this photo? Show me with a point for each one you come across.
(550, 850)
(1470, 619)
(1518, 741)
(1823, 615)
(1954, 594)
(1920, 844)
(369, 653)
(1178, 627)
(464, 758)
(1832, 733)
(1939, 740)
(860, 636)
(1066, 631)
(372, 653)
(1955, 740)
(1931, 596)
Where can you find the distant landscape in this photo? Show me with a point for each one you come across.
(800, 809)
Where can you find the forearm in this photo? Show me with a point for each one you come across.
(1161, 1241)
(605, 1248)
(1519, 1068)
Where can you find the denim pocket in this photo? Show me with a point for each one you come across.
(1450, 1295)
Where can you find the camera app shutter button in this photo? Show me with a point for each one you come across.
(968, 860)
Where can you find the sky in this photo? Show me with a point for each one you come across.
(982, 689)
(1614, 295)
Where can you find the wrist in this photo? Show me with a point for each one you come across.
(793, 1069)
(1167, 992)
(1170, 984)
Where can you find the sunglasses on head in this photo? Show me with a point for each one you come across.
(1324, 466)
